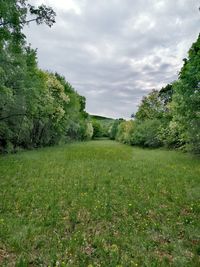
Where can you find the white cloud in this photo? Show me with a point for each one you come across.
(115, 51)
(63, 5)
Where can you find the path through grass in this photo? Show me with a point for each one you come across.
(99, 203)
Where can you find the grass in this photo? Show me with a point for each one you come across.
(99, 203)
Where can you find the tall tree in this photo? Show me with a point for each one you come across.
(37, 108)
(151, 107)
(186, 98)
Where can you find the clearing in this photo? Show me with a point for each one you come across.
(99, 203)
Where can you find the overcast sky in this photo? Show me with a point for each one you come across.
(115, 51)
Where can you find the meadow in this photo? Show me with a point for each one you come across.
(99, 203)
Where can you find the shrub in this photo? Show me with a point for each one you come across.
(97, 129)
(146, 133)
(89, 131)
(125, 131)
(172, 135)
(194, 137)
(114, 129)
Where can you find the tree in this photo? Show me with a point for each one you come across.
(185, 104)
(14, 14)
(151, 107)
(37, 108)
(125, 131)
(97, 129)
(114, 128)
(146, 133)
(166, 93)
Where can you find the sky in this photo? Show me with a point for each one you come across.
(114, 52)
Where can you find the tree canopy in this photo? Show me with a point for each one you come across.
(37, 108)
(170, 116)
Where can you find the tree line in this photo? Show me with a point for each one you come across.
(37, 108)
(170, 116)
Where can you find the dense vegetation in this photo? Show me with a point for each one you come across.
(99, 203)
(101, 126)
(169, 117)
(37, 108)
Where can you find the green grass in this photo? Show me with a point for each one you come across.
(99, 203)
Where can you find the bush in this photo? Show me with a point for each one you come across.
(146, 133)
(172, 135)
(194, 137)
(114, 129)
(125, 131)
(89, 131)
(97, 129)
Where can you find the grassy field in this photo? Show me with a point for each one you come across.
(99, 203)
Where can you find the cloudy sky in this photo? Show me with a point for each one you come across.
(115, 51)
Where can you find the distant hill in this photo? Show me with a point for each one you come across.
(104, 125)
(97, 117)
(104, 121)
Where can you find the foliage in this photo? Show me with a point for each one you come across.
(171, 116)
(103, 123)
(165, 95)
(97, 129)
(114, 128)
(186, 98)
(89, 131)
(194, 136)
(37, 108)
(146, 133)
(124, 132)
(13, 17)
(151, 107)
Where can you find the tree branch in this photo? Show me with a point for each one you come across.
(23, 22)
